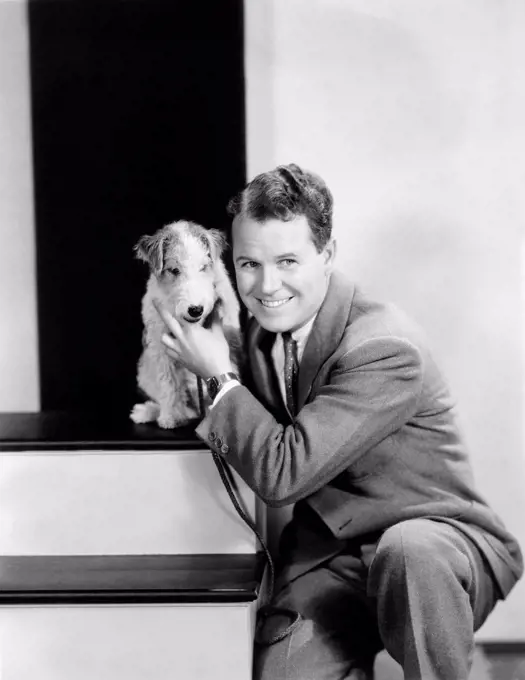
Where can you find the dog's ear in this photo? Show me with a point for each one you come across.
(150, 249)
(215, 242)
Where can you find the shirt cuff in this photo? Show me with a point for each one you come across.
(223, 390)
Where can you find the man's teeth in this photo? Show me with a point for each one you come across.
(273, 303)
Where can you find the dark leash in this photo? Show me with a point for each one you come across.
(266, 610)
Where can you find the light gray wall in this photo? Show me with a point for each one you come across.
(414, 113)
(19, 389)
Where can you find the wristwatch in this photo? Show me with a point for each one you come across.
(217, 382)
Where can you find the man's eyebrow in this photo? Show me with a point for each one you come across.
(281, 256)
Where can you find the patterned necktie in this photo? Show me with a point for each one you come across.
(290, 370)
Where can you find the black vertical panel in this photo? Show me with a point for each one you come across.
(138, 120)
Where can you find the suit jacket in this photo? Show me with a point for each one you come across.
(375, 440)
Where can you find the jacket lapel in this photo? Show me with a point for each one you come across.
(326, 334)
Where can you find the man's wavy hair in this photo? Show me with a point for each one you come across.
(285, 193)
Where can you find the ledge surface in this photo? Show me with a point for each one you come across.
(125, 579)
(88, 431)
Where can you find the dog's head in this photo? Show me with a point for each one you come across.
(183, 258)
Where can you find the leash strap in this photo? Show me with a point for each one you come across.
(267, 610)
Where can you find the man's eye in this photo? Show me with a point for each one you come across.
(249, 265)
(288, 262)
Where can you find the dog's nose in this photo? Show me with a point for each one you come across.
(195, 311)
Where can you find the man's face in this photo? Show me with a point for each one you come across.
(281, 277)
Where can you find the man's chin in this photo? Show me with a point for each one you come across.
(274, 325)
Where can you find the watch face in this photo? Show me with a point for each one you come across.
(215, 383)
(213, 387)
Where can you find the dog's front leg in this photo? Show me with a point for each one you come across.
(170, 407)
(174, 397)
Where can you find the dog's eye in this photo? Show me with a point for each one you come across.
(174, 271)
(205, 266)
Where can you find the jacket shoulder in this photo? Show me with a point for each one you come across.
(370, 318)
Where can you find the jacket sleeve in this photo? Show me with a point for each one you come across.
(371, 391)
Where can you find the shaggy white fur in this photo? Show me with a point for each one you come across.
(188, 276)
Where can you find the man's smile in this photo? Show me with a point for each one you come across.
(274, 303)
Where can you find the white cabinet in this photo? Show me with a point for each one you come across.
(122, 556)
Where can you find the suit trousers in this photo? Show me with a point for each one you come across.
(420, 592)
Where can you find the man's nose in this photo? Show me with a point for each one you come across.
(270, 280)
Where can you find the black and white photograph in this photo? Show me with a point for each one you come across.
(262, 340)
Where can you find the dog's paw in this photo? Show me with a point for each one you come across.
(145, 413)
(168, 421)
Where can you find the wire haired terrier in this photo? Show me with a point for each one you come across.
(188, 276)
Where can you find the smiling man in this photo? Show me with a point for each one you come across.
(344, 413)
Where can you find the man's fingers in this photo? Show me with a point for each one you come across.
(173, 354)
(170, 321)
(170, 343)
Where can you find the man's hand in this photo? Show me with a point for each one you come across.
(204, 351)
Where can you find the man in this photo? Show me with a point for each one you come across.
(390, 545)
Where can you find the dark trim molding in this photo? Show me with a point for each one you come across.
(130, 579)
(73, 431)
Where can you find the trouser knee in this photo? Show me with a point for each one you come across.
(416, 546)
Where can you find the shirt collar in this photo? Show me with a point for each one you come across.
(301, 334)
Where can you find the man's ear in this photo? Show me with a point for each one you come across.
(329, 253)
(150, 249)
